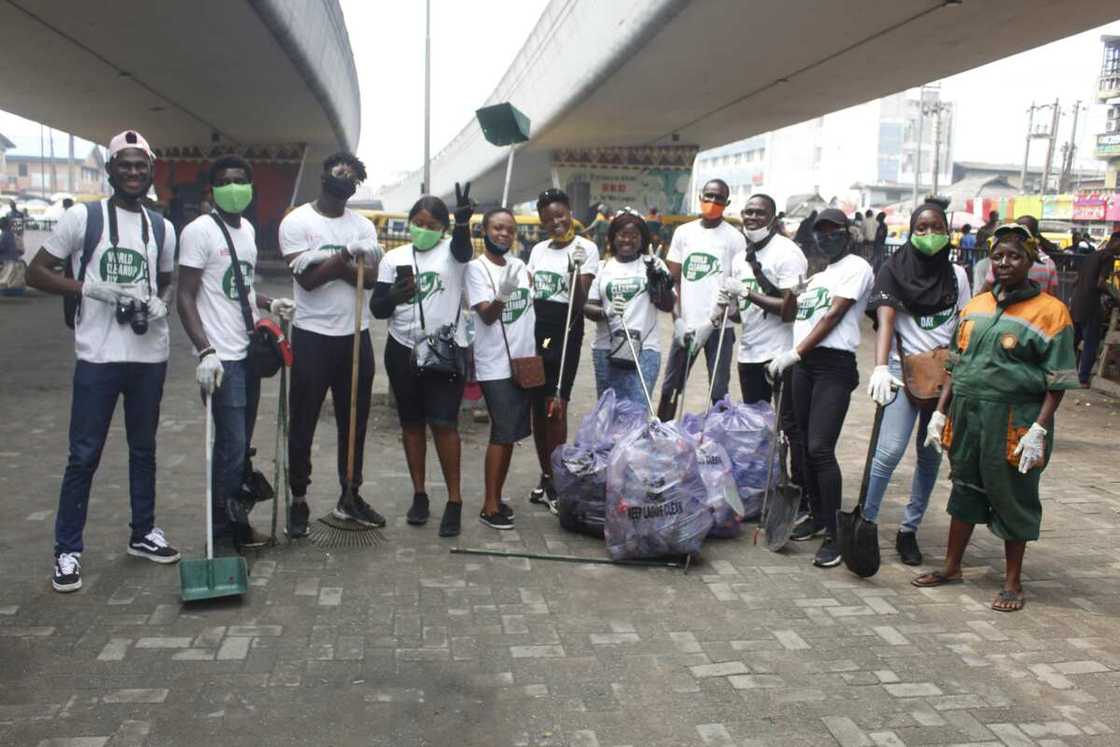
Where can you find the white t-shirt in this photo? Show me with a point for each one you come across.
(329, 309)
(849, 277)
(491, 361)
(98, 338)
(764, 334)
(549, 268)
(439, 284)
(203, 247)
(627, 280)
(704, 255)
(924, 333)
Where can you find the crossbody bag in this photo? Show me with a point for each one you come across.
(526, 371)
(924, 374)
(437, 353)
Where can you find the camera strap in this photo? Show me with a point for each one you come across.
(114, 239)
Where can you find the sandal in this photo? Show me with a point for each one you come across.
(1012, 601)
(935, 578)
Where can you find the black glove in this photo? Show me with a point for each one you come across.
(463, 207)
(658, 280)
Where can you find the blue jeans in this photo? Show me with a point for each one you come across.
(1090, 334)
(675, 368)
(235, 413)
(894, 434)
(625, 381)
(96, 389)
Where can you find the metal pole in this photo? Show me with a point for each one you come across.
(1072, 144)
(1050, 147)
(54, 170)
(1027, 151)
(936, 145)
(42, 164)
(918, 155)
(509, 173)
(71, 182)
(427, 185)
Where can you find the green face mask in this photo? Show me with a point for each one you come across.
(931, 243)
(423, 238)
(233, 198)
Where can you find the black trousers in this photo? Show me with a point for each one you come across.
(322, 363)
(757, 388)
(822, 390)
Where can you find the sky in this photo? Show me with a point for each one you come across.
(474, 43)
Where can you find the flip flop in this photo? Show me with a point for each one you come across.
(936, 578)
(1009, 596)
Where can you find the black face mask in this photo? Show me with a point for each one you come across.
(339, 186)
(494, 248)
(832, 244)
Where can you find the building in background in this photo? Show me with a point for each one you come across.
(29, 166)
(1108, 93)
(859, 157)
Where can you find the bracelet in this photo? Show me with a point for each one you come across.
(205, 352)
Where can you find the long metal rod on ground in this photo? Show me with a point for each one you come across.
(571, 558)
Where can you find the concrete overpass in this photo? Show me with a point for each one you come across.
(706, 72)
(272, 73)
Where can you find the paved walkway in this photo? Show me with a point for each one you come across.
(405, 644)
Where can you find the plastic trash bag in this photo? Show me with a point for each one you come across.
(609, 421)
(722, 495)
(657, 504)
(745, 431)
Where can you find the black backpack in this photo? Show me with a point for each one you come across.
(95, 224)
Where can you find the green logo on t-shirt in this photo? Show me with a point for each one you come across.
(698, 266)
(122, 265)
(813, 301)
(548, 284)
(332, 248)
(625, 288)
(229, 285)
(934, 321)
(515, 306)
(750, 285)
(428, 284)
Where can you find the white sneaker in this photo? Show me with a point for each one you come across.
(154, 547)
(67, 572)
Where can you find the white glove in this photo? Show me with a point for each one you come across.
(679, 332)
(366, 249)
(723, 297)
(879, 388)
(579, 254)
(285, 308)
(1032, 448)
(509, 283)
(934, 430)
(617, 307)
(780, 363)
(140, 290)
(702, 333)
(157, 309)
(99, 290)
(308, 258)
(734, 288)
(209, 373)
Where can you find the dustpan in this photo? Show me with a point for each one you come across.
(212, 578)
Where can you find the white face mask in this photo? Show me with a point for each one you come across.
(755, 235)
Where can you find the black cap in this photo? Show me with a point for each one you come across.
(831, 215)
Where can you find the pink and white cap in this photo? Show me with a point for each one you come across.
(129, 139)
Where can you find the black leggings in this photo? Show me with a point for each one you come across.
(822, 390)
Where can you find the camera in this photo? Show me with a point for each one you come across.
(134, 313)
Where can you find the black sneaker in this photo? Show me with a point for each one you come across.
(67, 572)
(802, 517)
(537, 495)
(245, 536)
(357, 510)
(807, 530)
(907, 545)
(496, 520)
(418, 514)
(452, 518)
(549, 498)
(505, 509)
(154, 547)
(828, 555)
(298, 514)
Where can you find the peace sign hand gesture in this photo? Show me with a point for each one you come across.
(463, 206)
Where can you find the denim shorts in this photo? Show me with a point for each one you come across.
(509, 407)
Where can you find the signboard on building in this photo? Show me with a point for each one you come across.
(1108, 145)
(638, 177)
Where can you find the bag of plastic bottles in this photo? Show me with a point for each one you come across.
(657, 504)
(723, 496)
(745, 432)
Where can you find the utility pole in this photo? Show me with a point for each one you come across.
(1027, 150)
(1052, 137)
(918, 154)
(54, 172)
(1069, 150)
(71, 182)
(427, 185)
(937, 109)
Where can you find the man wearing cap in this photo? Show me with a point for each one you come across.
(118, 256)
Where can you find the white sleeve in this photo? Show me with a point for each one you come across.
(192, 247)
(292, 237)
(676, 247)
(387, 270)
(964, 292)
(478, 286)
(167, 251)
(854, 282)
(737, 246)
(595, 294)
(68, 233)
(591, 266)
(792, 269)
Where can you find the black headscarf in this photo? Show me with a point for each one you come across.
(912, 281)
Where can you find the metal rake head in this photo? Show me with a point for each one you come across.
(331, 532)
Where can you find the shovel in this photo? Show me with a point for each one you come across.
(858, 537)
(780, 503)
(213, 577)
